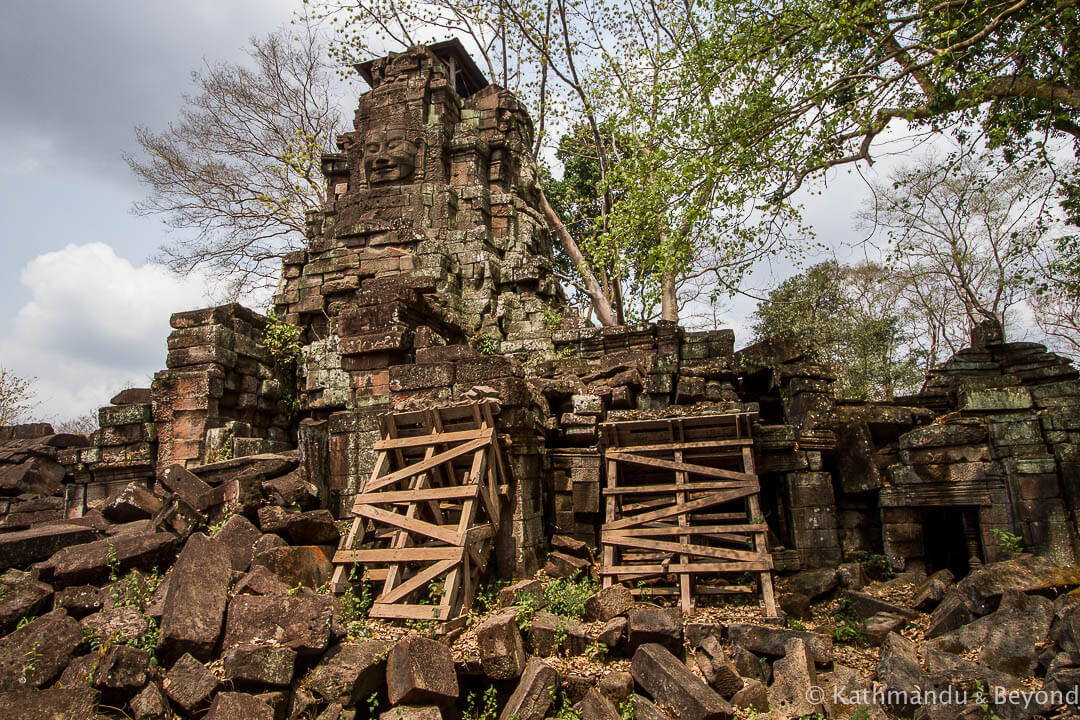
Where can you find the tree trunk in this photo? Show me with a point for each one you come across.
(669, 304)
(592, 288)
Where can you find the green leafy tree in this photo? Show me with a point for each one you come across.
(849, 318)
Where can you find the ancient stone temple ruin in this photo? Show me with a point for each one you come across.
(438, 372)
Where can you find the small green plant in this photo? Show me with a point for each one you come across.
(627, 709)
(567, 596)
(643, 589)
(982, 699)
(281, 340)
(796, 625)
(564, 708)
(878, 562)
(596, 651)
(527, 605)
(485, 344)
(25, 620)
(1008, 542)
(225, 449)
(553, 319)
(849, 626)
(112, 561)
(487, 596)
(373, 704)
(30, 661)
(482, 708)
(212, 530)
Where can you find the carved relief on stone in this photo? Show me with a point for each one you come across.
(391, 152)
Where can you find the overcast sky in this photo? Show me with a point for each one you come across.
(82, 308)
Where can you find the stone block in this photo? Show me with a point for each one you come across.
(502, 651)
(655, 625)
(669, 681)
(34, 655)
(533, 695)
(189, 684)
(23, 548)
(301, 621)
(234, 705)
(420, 672)
(348, 674)
(609, 603)
(195, 602)
(772, 641)
(259, 665)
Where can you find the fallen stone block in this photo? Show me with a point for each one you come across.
(92, 562)
(616, 687)
(23, 548)
(512, 594)
(150, 704)
(550, 635)
(866, 606)
(718, 670)
(260, 581)
(985, 585)
(79, 600)
(120, 673)
(654, 625)
(753, 695)
(608, 603)
(189, 684)
(34, 655)
(20, 596)
(813, 584)
(596, 707)
(773, 640)
(645, 710)
(613, 633)
(794, 675)
(932, 590)
(952, 612)
(571, 546)
(898, 669)
(315, 527)
(412, 712)
(878, 626)
(502, 651)
(66, 703)
(534, 693)
(195, 602)
(561, 565)
(116, 624)
(186, 485)
(750, 666)
(259, 665)
(134, 502)
(306, 565)
(234, 705)
(348, 674)
(670, 682)
(301, 622)
(237, 538)
(420, 672)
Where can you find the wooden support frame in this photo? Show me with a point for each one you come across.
(682, 514)
(426, 518)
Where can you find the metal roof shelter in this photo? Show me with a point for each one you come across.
(467, 76)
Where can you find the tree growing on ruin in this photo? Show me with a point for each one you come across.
(852, 319)
(241, 165)
(16, 397)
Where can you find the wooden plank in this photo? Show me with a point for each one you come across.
(685, 548)
(671, 487)
(439, 438)
(695, 530)
(420, 579)
(382, 555)
(753, 506)
(685, 600)
(401, 611)
(439, 532)
(679, 466)
(718, 567)
(694, 445)
(425, 465)
(398, 496)
(717, 498)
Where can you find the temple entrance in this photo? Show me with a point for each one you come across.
(945, 541)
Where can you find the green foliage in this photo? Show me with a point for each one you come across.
(282, 341)
(849, 627)
(566, 596)
(213, 529)
(485, 344)
(354, 606)
(563, 708)
(845, 316)
(527, 605)
(881, 563)
(627, 709)
(25, 620)
(796, 624)
(373, 704)
(485, 708)
(1008, 542)
(225, 449)
(112, 561)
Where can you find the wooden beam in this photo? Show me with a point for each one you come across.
(420, 579)
(408, 554)
(684, 548)
(679, 466)
(718, 498)
(439, 532)
(425, 465)
(453, 492)
(673, 568)
(441, 438)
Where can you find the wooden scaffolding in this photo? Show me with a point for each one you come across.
(682, 514)
(426, 518)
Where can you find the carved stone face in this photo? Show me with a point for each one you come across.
(389, 156)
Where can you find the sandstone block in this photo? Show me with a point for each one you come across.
(654, 625)
(533, 695)
(609, 603)
(189, 684)
(35, 655)
(234, 705)
(349, 673)
(301, 621)
(196, 599)
(420, 671)
(20, 596)
(259, 665)
(668, 681)
(502, 651)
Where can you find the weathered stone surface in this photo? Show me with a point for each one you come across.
(116, 624)
(134, 502)
(898, 669)
(953, 611)
(349, 673)
(306, 565)
(187, 486)
(813, 583)
(189, 683)
(795, 605)
(932, 590)
(750, 666)
(772, 641)
(718, 670)
(22, 548)
(793, 677)
(234, 705)
(261, 581)
(571, 546)
(612, 633)
(550, 634)
(866, 606)
(89, 563)
(985, 585)
(150, 704)
(420, 672)
(878, 626)
(645, 710)
(561, 565)
(849, 694)
(52, 704)
(533, 695)
(301, 621)
(512, 594)
(608, 603)
(237, 538)
(671, 683)
(410, 712)
(259, 664)
(595, 705)
(79, 600)
(753, 695)
(502, 651)
(196, 599)
(121, 672)
(20, 596)
(654, 625)
(315, 527)
(616, 687)
(36, 654)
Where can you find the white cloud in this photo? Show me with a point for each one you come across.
(94, 324)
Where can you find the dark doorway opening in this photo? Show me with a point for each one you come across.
(945, 541)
